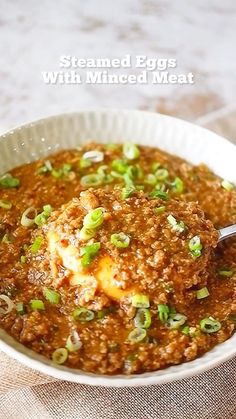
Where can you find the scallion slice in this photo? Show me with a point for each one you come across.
(140, 301)
(137, 335)
(94, 156)
(178, 226)
(161, 174)
(51, 296)
(7, 305)
(227, 185)
(120, 166)
(20, 308)
(86, 234)
(131, 151)
(36, 244)
(195, 246)
(176, 320)
(159, 194)
(127, 191)
(8, 181)
(163, 312)
(42, 218)
(177, 185)
(82, 314)
(37, 305)
(47, 167)
(185, 330)
(210, 325)
(159, 210)
(59, 356)
(84, 163)
(26, 219)
(143, 318)
(120, 240)
(5, 204)
(202, 293)
(150, 179)
(91, 180)
(226, 272)
(88, 253)
(94, 218)
(73, 343)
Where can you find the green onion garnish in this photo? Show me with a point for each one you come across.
(91, 180)
(143, 318)
(73, 343)
(202, 293)
(59, 356)
(7, 238)
(178, 226)
(226, 272)
(5, 204)
(127, 191)
(36, 244)
(20, 308)
(159, 194)
(86, 234)
(37, 305)
(120, 240)
(210, 325)
(82, 314)
(94, 156)
(177, 185)
(26, 220)
(195, 247)
(8, 181)
(84, 163)
(120, 166)
(227, 185)
(161, 174)
(47, 167)
(176, 320)
(159, 210)
(61, 172)
(137, 335)
(131, 151)
(140, 301)
(163, 312)
(42, 218)
(185, 330)
(88, 253)
(94, 218)
(23, 259)
(150, 179)
(51, 296)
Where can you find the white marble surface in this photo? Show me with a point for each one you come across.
(33, 35)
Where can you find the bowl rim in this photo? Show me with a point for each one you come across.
(34, 360)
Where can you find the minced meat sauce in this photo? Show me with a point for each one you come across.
(109, 258)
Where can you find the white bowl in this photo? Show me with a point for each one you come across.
(197, 145)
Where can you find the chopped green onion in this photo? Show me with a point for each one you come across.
(59, 356)
(143, 318)
(150, 179)
(94, 218)
(127, 191)
(178, 226)
(176, 320)
(227, 185)
(210, 325)
(23, 259)
(8, 302)
(82, 314)
(155, 166)
(226, 272)
(140, 301)
(195, 247)
(120, 166)
(163, 312)
(93, 156)
(27, 221)
(120, 240)
(91, 180)
(42, 218)
(177, 186)
(185, 330)
(88, 253)
(51, 296)
(159, 210)
(107, 178)
(73, 342)
(111, 146)
(5, 204)
(202, 293)
(87, 233)
(20, 308)
(37, 305)
(36, 244)
(63, 171)
(7, 238)
(8, 181)
(46, 168)
(131, 151)
(137, 335)
(84, 163)
(159, 194)
(161, 174)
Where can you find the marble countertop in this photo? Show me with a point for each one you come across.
(200, 35)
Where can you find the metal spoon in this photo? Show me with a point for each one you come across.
(225, 233)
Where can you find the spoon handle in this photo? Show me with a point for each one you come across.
(225, 233)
